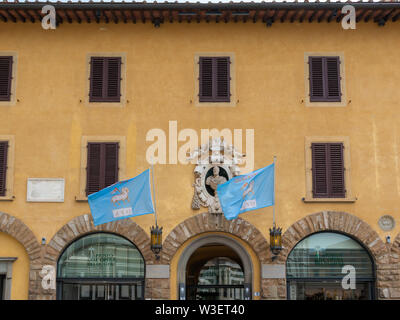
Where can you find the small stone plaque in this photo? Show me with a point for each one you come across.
(386, 223)
(45, 190)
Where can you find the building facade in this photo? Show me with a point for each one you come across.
(116, 85)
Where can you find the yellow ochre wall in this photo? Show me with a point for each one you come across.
(50, 116)
(11, 248)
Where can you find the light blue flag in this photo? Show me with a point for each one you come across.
(124, 199)
(247, 192)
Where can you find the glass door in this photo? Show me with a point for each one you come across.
(102, 291)
(217, 292)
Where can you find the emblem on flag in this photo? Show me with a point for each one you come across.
(122, 200)
(247, 192)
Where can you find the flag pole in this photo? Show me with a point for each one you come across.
(273, 210)
(154, 193)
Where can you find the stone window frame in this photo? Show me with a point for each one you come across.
(13, 98)
(346, 163)
(121, 160)
(10, 168)
(233, 99)
(6, 264)
(123, 100)
(308, 103)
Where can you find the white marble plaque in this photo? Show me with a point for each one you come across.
(45, 190)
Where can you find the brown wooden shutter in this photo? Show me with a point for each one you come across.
(222, 79)
(324, 77)
(93, 169)
(5, 78)
(316, 78)
(96, 79)
(113, 79)
(333, 78)
(105, 79)
(3, 166)
(206, 79)
(328, 170)
(336, 165)
(214, 79)
(111, 164)
(319, 170)
(102, 166)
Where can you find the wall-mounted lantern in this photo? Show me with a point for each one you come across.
(275, 240)
(156, 240)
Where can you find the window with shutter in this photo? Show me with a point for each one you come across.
(105, 79)
(3, 166)
(102, 166)
(5, 78)
(328, 170)
(214, 79)
(324, 76)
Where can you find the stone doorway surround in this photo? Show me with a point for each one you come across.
(205, 222)
(210, 240)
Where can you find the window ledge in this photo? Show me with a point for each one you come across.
(315, 200)
(81, 198)
(7, 198)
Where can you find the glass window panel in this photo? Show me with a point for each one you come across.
(139, 291)
(221, 271)
(331, 290)
(101, 255)
(100, 292)
(124, 291)
(324, 254)
(85, 292)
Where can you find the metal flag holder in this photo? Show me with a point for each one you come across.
(155, 231)
(275, 234)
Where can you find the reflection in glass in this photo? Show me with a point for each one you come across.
(221, 271)
(101, 255)
(101, 266)
(314, 268)
(219, 279)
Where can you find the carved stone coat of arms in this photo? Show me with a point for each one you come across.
(216, 163)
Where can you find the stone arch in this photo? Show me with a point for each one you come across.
(19, 231)
(205, 222)
(349, 225)
(220, 239)
(83, 225)
(335, 221)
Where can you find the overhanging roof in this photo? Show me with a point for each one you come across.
(222, 12)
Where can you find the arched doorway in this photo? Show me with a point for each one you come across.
(214, 272)
(101, 266)
(315, 268)
(215, 268)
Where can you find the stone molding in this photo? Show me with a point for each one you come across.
(273, 271)
(157, 271)
(205, 222)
